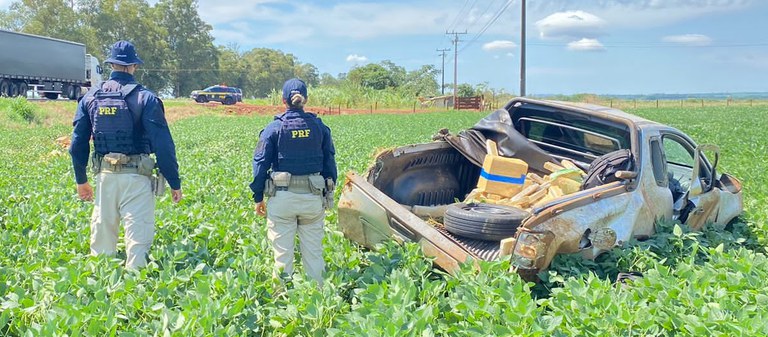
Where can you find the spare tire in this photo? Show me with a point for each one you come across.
(483, 221)
(603, 169)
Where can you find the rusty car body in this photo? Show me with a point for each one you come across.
(672, 179)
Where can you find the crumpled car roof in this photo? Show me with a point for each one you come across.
(498, 127)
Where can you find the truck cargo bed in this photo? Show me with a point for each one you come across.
(25, 56)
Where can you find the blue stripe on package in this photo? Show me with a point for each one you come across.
(502, 179)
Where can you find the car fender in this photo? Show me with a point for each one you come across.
(605, 209)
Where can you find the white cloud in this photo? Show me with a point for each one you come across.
(586, 45)
(314, 21)
(499, 45)
(216, 12)
(695, 40)
(278, 21)
(571, 24)
(354, 58)
(510, 54)
(640, 14)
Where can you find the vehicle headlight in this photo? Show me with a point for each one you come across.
(530, 248)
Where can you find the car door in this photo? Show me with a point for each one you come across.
(691, 174)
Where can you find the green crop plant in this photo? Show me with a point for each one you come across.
(210, 270)
(18, 109)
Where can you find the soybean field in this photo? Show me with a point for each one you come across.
(211, 265)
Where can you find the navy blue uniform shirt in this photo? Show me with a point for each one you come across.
(153, 122)
(265, 155)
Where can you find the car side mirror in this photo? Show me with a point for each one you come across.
(625, 175)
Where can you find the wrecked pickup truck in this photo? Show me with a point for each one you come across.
(638, 172)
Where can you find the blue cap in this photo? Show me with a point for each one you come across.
(124, 54)
(294, 86)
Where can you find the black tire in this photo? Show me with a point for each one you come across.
(483, 221)
(14, 89)
(51, 95)
(5, 88)
(23, 88)
(602, 169)
(228, 101)
(73, 92)
(201, 99)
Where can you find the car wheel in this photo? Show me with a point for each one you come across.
(51, 95)
(228, 101)
(483, 221)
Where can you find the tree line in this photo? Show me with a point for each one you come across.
(179, 52)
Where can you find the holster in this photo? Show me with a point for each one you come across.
(158, 184)
(95, 163)
(330, 188)
(269, 188)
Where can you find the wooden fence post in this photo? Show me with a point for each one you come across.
(702, 102)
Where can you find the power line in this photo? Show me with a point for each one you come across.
(458, 16)
(487, 25)
(490, 3)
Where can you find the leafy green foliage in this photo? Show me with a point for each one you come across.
(373, 76)
(189, 39)
(211, 263)
(465, 90)
(20, 110)
(386, 76)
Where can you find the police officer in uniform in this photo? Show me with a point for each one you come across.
(127, 123)
(294, 166)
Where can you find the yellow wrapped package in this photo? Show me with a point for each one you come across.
(502, 176)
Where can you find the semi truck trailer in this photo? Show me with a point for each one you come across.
(55, 67)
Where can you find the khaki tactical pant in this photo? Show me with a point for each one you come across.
(289, 213)
(126, 196)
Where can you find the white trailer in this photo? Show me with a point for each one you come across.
(55, 67)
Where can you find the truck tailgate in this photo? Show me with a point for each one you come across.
(368, 217)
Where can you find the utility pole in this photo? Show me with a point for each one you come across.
(522, 50)
(455, 63)
(442, 70)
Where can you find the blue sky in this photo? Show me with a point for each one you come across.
(573, 46)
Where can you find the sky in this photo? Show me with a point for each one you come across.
(572, 46)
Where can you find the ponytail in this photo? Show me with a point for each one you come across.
(297, 101)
